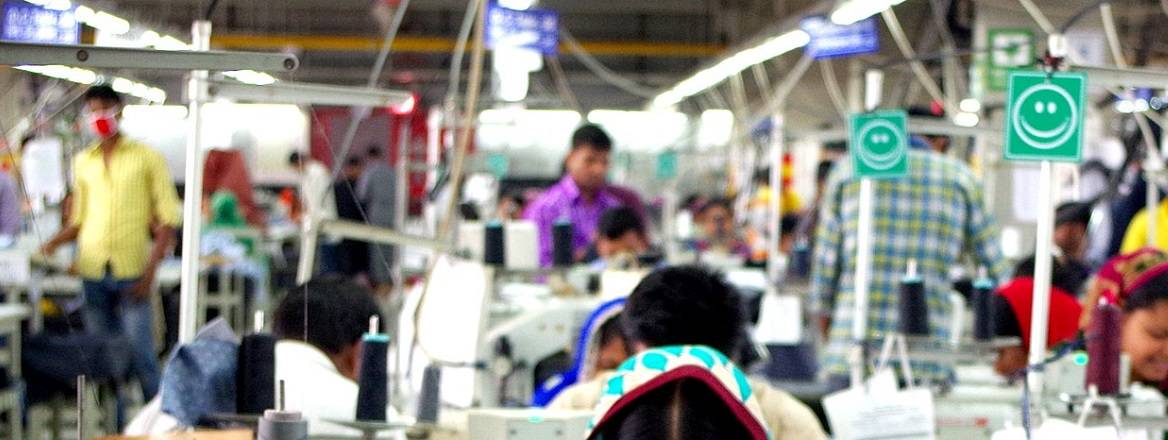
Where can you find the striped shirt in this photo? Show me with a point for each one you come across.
(935, 216)
(115, 207)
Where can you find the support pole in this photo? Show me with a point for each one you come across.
(1040, 312)
(193, 191)
(872, 86)
(774, 235)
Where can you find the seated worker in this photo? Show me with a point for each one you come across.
(1145, 326)
(620, 239)
(1072, 220)
(679, 392)
(716, 232)
(1109, 283)
(689, 305)
(1012, 312)
(317, 355)
(601, 347)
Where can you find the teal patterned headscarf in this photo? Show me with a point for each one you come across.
(657, 367)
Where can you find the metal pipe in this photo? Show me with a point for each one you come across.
(918, 68)
(193, 192)
(1040, 315)
(774, 235)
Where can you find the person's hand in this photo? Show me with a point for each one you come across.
(824, 326)
(140, 291)
(48, 249)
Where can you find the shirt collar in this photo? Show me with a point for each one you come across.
(307, 354)
(572, 191)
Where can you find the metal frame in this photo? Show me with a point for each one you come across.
(98, 57)
(307, 94)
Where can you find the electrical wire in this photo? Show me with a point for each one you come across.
(918, 68)
(599, 69)
(1079, 15)
(210, 10)
(444, 228)
(561, 82)
(827, 71)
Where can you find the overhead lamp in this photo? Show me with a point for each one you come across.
(168, 42)
(970, 105)
(251, 77)
(732, 65)
(149, 38)
(72, 74)
(852, 11)
(56, 5)
(966, 119)
(107, 22)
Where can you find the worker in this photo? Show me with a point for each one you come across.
(1136, 236)
(120, 189)
(680, 392)
(690, 305)
(317, 355)
(1145, 324)
(1072, 221)
(717, 232)
(352, 255)
(620, 237)
(935, 215)
(1012, 305)
(582, 194)
(378, 191)
(318, 204)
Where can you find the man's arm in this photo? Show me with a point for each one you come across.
(982, 233)
(70, 231)
(828, 239)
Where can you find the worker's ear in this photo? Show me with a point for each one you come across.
(346, 360)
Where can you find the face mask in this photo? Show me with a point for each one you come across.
(104, 125)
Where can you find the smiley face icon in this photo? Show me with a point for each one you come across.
(883, 144)
(1044, 116)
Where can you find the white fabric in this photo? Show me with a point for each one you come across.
(316, 192)
(152, 421)
(313, 386)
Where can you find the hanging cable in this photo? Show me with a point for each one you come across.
(918, 68)
(600, 70)
(561, 82)
(827, 71)
(210, 10)
(1080, 14)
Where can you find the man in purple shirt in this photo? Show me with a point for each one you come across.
(582, 195)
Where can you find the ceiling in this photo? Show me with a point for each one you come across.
(654, 43)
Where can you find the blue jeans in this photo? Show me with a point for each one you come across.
(109, 310)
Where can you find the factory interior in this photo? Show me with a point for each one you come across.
(596, 220)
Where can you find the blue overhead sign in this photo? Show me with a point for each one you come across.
(535, 29)
(31, 23)
(830, 40)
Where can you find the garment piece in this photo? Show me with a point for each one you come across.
(115, 207)
(313, 386)
(564, 201)
(200, 376)
(936, 216)
(1137, 231)
(109, 311)
(378, 191)
(1014, 319)
(657, 367)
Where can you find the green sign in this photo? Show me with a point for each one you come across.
(498, 164)
(667, 165)
(878, 143)
(1044, 116)
(1010, 48)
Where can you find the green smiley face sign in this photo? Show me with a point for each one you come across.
(1044, 116)
(879, 144)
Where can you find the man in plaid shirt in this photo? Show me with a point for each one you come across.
(935, 216)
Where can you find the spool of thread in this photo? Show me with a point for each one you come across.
(430, 399)
(562, 243)
(493, 244)
(373, 375)
(983, 310)
(1103, 349)
(914, 311)
(280, 424)
(255, 374)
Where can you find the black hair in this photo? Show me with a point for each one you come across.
(685, 409)
(353, 161)
(1062, 276)
(1147, 295)
(338, 313)
(685, 305)
(836, 146)
(763, 175)
(374, 151)
(722, 202)
(295, 158)
(592, 136)
(1073, 213)
(103, 93)
(789, 223)
(616, 222)
(823, 170)
(611, 330)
